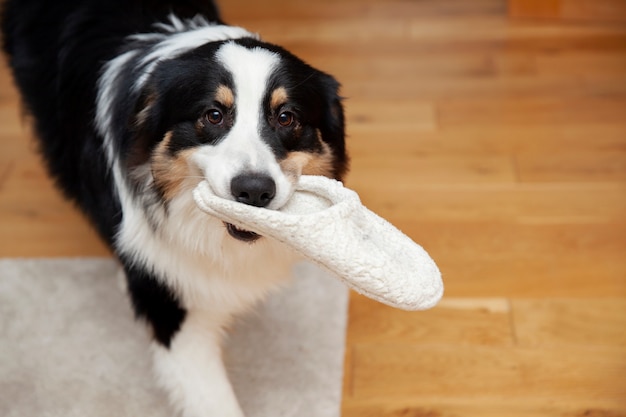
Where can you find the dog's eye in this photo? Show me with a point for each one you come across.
(214, 117)
(286, 119)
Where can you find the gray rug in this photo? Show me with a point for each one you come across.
(69, 346)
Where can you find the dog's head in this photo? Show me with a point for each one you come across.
(244, 115)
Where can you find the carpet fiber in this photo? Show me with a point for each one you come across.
(70, 347)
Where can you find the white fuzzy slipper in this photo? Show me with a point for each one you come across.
(326, 223)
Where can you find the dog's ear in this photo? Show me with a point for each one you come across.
(146, 107)
(145, 126)
(332, 123)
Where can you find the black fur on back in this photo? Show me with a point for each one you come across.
(56, 50)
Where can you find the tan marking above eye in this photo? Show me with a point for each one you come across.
(225, 96)
(278, 98)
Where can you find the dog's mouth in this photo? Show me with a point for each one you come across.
(240, 234)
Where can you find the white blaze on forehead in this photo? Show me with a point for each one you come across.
(251, 70)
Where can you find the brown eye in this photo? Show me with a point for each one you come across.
(215, 117)
(286, 119)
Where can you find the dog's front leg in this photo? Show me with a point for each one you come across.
(192, 371)
(186, 348)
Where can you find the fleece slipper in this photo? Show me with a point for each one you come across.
(326, 223)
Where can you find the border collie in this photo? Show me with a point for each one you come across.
(134, 103)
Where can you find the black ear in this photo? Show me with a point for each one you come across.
(145, 126)
(332, 125)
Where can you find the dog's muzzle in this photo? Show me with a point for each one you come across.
(255, 189)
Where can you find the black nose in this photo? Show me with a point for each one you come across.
(253, 189)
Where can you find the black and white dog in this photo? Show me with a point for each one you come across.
(137, 101)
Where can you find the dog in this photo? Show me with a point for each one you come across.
(134, 103)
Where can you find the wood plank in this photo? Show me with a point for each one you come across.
(435, 168)
(491, 259)
(569, 10)
(436, 371)
(481, 407)
(558, 322)
(522, 87)
(490, 139)
(567, 166)
(297, 11)
(8, 92)
(523, 204)
(394, 62)
(497, 28)
(594, 11)
(6, 166)
(515, 111)
(71, 234)
(37, 221)
(584, 63)
(29, 183)
(534, 8)
(477, 321)
(12, 123)
(388, 116)
(424, 34)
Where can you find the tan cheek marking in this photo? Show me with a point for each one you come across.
(294, 162)
(305, 163)
(225, 96)
(279, 97)
(173, 174)
(321, 164)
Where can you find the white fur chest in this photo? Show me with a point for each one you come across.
(192, 253)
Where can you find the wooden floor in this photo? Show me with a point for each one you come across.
(500, 146)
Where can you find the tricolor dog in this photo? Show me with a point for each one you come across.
(134, 103)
